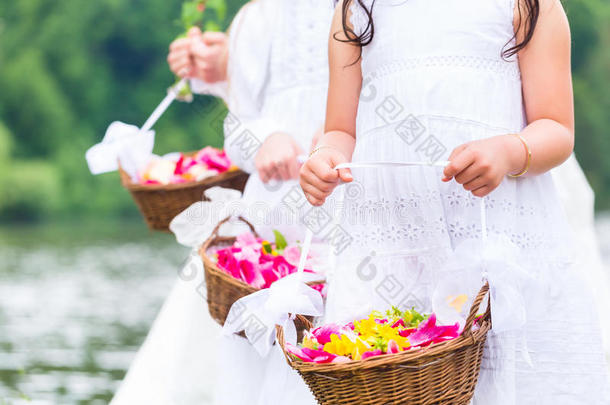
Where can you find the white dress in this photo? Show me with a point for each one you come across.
(283, 39)
(278, 69)
(578, 200)
(434, 78)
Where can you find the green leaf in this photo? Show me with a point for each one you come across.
(280, 241)
(212, 26)
(267, 247)
(191, 14)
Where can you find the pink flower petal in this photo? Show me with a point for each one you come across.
(282, 267)
(321, 288)
(178, 170)
(323, 333)
(268, 274)
(393, 347)
(292, 254)
(398, 323)
(250, 275)
(227, 262)
(249, 254)
(266, 258)
(428, 331)
(319, 356)
(297, 351)
(371, 353)
(214, 158)
(246, 239)
(406, 332)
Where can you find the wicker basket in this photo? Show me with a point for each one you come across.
(441, 374)
(159, 203)
(222, 288)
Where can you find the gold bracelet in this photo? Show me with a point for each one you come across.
(529, 157)
(317, 148)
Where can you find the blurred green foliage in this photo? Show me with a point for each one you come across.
(69, 68)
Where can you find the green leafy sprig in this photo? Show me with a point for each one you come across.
(196, 13)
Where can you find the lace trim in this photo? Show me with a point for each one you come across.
(358, 19)
(403, 220)
(509, 69)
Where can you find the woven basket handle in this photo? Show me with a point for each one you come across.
(214, 233)
(475, 308)
(279, 332)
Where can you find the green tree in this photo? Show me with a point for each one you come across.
(69, 68)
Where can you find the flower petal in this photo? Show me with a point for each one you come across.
(297, 351)
(427, 332)
(371, 353)
(319, 356)
(323, 333)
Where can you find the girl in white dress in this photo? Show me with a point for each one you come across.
(276, 84)
(482, 84)
(281, 109)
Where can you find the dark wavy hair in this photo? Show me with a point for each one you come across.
(527, 23)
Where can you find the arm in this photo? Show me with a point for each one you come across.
(547, 94)
(258, 143)
(336, 145)
(547, 89)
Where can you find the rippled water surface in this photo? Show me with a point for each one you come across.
(77, 301)
(75, 304)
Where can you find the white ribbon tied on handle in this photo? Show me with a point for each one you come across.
(130, 145)
(194, 225)
(258, 313)
(494, 259)
(122, 142)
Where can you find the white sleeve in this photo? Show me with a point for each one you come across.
(250, 39)
(217, 89)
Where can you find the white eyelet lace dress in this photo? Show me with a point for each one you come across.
(278, 70)
(278, 84)
(434, 78)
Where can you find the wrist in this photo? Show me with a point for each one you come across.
(341, 141)
(322, 147)
(518, 155)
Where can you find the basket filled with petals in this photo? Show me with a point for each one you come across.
(239, 266)
(170, 184)
(397, 357)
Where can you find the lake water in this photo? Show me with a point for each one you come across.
(77, 301)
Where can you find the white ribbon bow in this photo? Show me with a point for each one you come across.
(194, 225)
(124, 143)
(257, 314)
(130, 145)
(495, 259)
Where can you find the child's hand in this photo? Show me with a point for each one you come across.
(319, 177)
(277, 158)
(179, 58)
(480, 166)
(209, 54)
